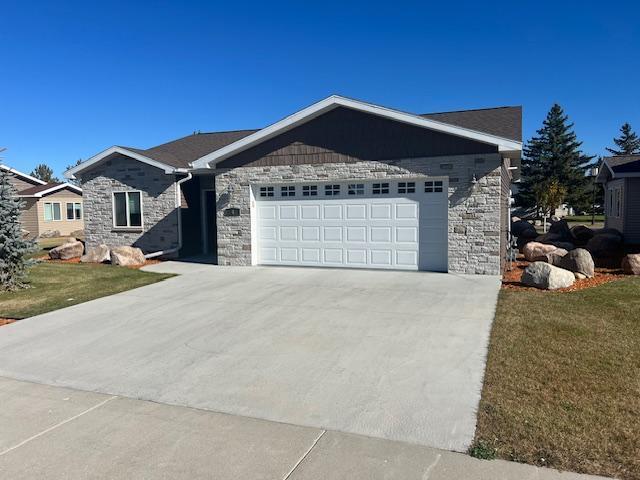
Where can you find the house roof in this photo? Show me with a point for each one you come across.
(499, 126)
(619, 166)
(47, 188)
(501, 121)
(24, 176)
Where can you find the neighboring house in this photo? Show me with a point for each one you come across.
(341, 183)
(49, 207)
(620, 176)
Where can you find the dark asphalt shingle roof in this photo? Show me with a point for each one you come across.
(624, 163)
(39, 188)
(502, 121)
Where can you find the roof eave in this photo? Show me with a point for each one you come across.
(71, 173)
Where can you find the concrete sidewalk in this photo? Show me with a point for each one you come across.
(59, 433)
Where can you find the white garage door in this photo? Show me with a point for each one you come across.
(390, 224)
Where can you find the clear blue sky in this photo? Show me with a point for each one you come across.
(78, 77)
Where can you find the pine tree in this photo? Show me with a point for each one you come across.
(74, 181)
(13, 246)
(628, 142)
(44, 173)
(554, 154)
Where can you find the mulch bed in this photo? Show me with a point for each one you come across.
(6, 321)
(511, 278)
(151, 261)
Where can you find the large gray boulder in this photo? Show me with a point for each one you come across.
(552, 257)
(67, 251)
(99, 254)
(578, 261)
(127, 256)
(533, 250)
(546, 276)
(50, 234)
(523, 228)
(631, 264)
(561, 229)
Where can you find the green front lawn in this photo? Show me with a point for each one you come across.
(562, 386)
(58, 285)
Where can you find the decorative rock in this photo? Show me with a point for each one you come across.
(631, 264)
(546, 276)
(579, 276)
(522, 227)
(552, 257)
(99, 254)
(78, 233)
(50, 234)
(561, 228)
(580, 235)
(67, 251)
(578, 261)
(515, 219)
(568, 246)
(604, 245)
(127, 256)
(533, 250)
(549, 238)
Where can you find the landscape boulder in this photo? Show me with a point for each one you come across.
(533, 250)
(127, 256)
(561, 228)
(605, 245)
(99, 254)
(67, 251)
(552, 257)
(580, 235)
(50, 234)
(631, 264)
(578, 261)
(523, 228)
(546, 276)
(78, 234)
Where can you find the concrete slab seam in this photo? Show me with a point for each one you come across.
(427, 472)
(315, 442)
(44, 432)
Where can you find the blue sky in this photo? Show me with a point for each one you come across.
(78, 77)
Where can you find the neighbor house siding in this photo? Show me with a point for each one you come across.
(345, 136)
(474, 208)
(160, 215)
(21, 184)
(632, 210)
(29, 217)
(611, 218)
(64, 226)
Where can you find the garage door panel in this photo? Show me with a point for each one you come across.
(363, 231)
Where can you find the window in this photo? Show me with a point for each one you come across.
(266, 191)
(355, 189)
(407, 187)
(330, 190)
(380, 188)
(127, 209)
(52, 212)
(74, 211)
(309, 190)
(433, 186)
(288, 191)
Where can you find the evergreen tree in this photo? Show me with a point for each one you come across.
(13, 245)
(554, 154)
(628, 142)
(44, 173)
(74, 181)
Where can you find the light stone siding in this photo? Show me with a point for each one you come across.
(160, 216)
(474, 209)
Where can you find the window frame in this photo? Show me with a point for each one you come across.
(332, 190)
(127, 213)
(355, 189)
(382, 188)
(73, 210)
(53, 217)
(433, 186)
(266, 191)
(287, 190)
(405, 188)
(310, 190)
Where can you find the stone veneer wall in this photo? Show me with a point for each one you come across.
(474, 210)
(160, 221)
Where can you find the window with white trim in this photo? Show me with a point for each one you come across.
(288, 191)
(380, 188)
(406, 187)
(331, 190)
(309, 190)
(74, 211)
(355, 189)
(52, 212)
(266, 191)
(127, 209)
(432, 186)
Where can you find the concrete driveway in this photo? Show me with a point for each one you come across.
(396, 355)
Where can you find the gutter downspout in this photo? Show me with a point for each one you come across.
(178, 208)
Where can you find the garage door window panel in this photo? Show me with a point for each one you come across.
(380, 188)
(309, 190)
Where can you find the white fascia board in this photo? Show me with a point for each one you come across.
(23, 175)
(334, 101)
(54, 189)
(115, 149)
